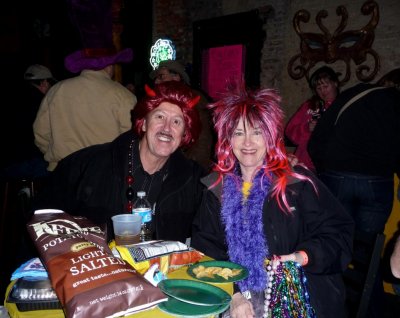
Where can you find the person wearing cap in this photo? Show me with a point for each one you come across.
(170, 70)
(202, 150)
(90, 108)
(39, 76)
(25, 159)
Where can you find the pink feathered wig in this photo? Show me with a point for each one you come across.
(260, 108)
(176, 93)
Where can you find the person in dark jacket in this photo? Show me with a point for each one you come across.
(355, 149)
(257, 209)
(356, 152)
(102, 180)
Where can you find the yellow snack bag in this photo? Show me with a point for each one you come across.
(169, 255)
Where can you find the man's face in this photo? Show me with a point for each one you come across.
(44, 86)
(164, 75)
(164, 128)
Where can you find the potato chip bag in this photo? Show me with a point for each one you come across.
(87, 278)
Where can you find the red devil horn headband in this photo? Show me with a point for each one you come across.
(151, 93)
(194, 101)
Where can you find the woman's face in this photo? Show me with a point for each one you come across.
(249, 147)
(326, 89)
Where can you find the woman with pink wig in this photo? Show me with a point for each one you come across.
(278, 222)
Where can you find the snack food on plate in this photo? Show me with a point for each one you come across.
(87, 278)
(202, 271)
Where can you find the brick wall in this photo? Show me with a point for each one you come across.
(174, 18)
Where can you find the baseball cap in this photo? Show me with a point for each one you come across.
(37, 72)
(174, 66)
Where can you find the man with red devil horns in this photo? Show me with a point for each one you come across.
(102, 180)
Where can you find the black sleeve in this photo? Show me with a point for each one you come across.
(63, 184)
(207, 233)
(329, 229)
(319, 139)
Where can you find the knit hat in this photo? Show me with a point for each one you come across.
(93, 19)
(37, 72)
(174, 66)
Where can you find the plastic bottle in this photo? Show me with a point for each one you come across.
(143, 208)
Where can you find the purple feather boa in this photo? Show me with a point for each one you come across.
(244, 228)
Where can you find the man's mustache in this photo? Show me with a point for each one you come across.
(164, 134)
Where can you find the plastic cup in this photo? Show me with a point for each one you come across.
(127, 228)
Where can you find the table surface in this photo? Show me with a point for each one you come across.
(180, 273)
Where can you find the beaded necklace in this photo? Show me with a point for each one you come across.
(129, 179)
(146, 181)
(286, 293)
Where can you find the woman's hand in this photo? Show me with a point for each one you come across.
(285, 258)
(311, 125)
(299, 257)
(241, 307)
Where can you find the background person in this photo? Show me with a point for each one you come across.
(324, 84)
(90, 108)
(40, 77)
(356, 153)
(257, 207)
(84, 110)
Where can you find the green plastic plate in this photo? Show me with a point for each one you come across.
(216, 278)
(194, 292)
(179, 308)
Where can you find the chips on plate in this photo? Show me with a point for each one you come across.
(202, 271)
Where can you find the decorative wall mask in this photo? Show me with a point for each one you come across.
(347, 46)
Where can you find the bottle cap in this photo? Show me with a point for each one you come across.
(141, 194)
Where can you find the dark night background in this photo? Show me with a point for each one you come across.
(39, 32)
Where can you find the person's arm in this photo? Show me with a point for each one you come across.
(328, 238)
(320, 138)
(208, 235)
(297, 129)
(41, 126)
(127, 104)
(395, 259)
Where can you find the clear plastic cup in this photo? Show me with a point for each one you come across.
(127, 228)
